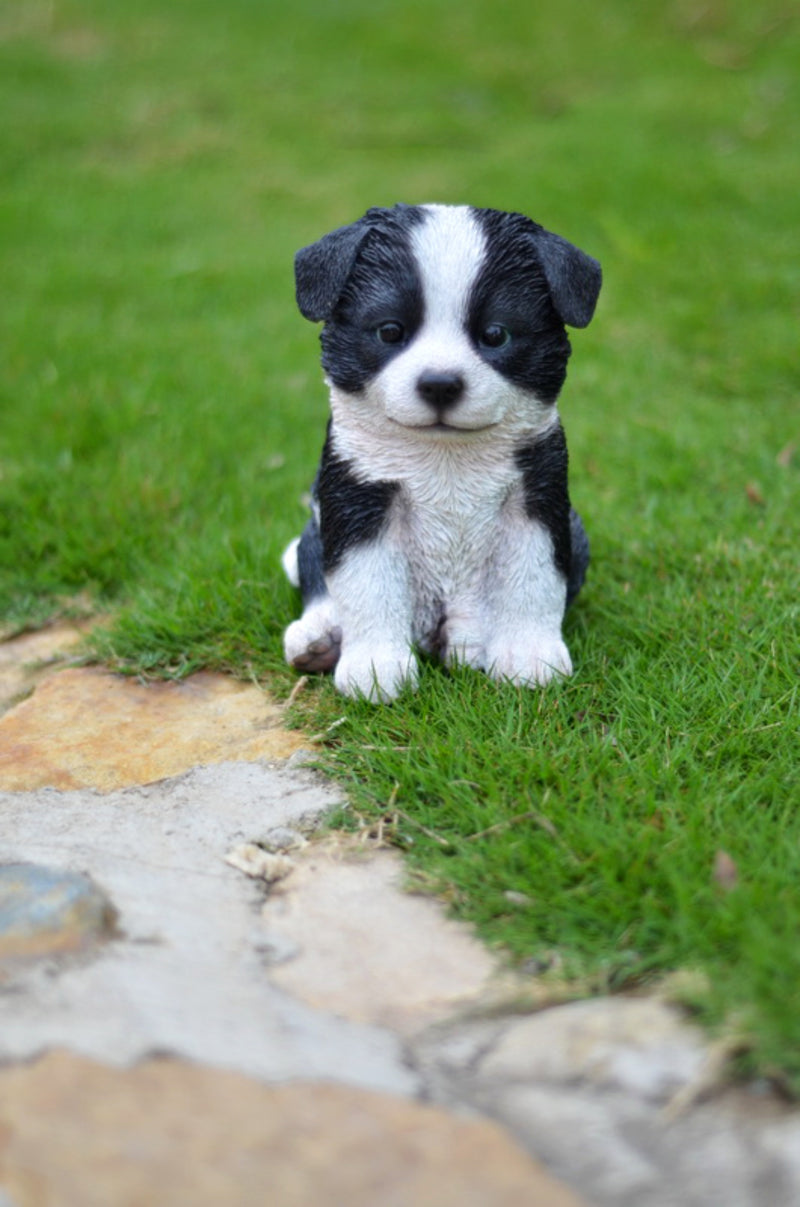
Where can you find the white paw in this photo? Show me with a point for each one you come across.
(377, 672)
(313, 642)
(528, 658)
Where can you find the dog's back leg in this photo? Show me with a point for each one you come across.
(312, 643)
(579, 556)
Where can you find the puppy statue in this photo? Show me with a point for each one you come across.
(441, 516)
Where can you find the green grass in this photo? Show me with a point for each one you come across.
(162, 412)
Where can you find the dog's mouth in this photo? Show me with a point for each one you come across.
(446, 429)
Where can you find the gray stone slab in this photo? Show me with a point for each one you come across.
(594, 1090)
(638, 1044)
(187, 975)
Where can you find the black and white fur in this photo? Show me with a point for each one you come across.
(441, 516)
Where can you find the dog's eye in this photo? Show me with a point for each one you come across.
(494, 336)
(391, 333)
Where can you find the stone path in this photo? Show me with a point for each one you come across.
(202, 1000)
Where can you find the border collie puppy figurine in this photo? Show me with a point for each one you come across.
(441, 517)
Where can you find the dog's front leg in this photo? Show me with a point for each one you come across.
(465, 632)
(371, 590)
(528, 598)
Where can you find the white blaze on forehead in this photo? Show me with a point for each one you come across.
(449, 247)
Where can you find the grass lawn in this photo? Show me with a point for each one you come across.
(162, 413)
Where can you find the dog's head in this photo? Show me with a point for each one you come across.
(446, 319)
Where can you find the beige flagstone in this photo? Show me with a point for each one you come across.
(30, 657)
(74, 1133)
(365, 949)
(88, 728)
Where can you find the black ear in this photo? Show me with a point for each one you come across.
(574, 278)
(322, 269)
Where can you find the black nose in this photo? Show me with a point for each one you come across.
(441, 390)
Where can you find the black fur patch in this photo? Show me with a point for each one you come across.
(383, 286)
(351, 511)
(309, 563)
(512, 290)
(543, 463)
(544, 466)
